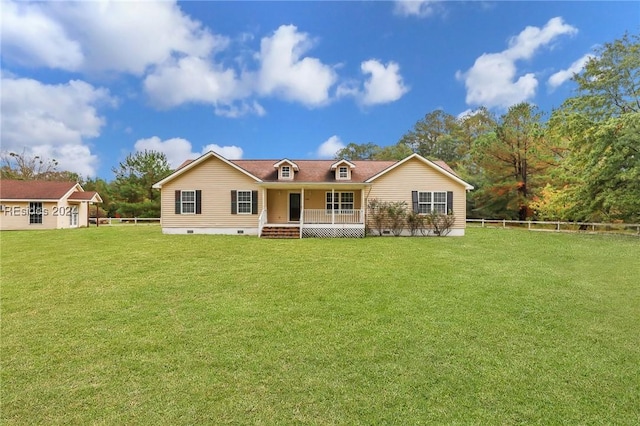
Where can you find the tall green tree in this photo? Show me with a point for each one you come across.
(514, 160)
(371, 151)
(609, 84)
(436, 137)
(132, 192)
(354, 151)
(600, 125)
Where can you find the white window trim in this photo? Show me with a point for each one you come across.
(281, 175)
(238, 202)
(432, 203)
(182, 202)
(340, 209)
(338, 171)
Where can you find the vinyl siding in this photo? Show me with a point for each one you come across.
(216, 180)
(9, 221)
(414, 175)
(277, 205)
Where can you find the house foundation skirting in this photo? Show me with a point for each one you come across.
(218, 231)
(333, 231)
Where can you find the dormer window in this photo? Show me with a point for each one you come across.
(286, 169)
(343, 169)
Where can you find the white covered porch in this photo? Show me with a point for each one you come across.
(314, 211)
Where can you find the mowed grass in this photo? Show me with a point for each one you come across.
(125, 325)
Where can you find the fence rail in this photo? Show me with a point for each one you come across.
(110, 221)
(560, 226)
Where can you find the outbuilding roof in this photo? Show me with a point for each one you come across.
(34, 189)
(44, 190)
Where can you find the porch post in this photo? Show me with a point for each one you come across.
(363, 206)
(301, 207)
(264, 203)
(333, 206)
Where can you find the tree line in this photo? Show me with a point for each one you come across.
(579, 162)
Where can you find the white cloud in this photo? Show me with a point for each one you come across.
(492, 81)
(560, 77)
(419, 8)
(330, 147)
(230, 152)
(31, 37)
(525, 44)
(192, 79)
(178, 150)
(241, 109)
(102, 35)
(54, 120)
(384, 83)
(285, 74)
(176, 56)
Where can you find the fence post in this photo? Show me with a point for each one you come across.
(558, 227)
(529, 225)
(135, 220)
(504, 223)
(483, 225)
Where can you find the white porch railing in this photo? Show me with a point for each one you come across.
(315, 216)
(262, 220)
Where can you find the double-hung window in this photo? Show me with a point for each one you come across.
(285, 172)
(343, 172)
(188, 202)
(424, 202)
(439, 202)
(339, 201)
(244, 202)
(432, 201)
(35, 213)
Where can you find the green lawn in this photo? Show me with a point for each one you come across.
(125, 325)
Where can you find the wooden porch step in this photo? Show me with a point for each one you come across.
(281, 232)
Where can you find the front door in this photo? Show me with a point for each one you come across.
(294, 207)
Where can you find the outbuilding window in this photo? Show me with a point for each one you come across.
(35, 213)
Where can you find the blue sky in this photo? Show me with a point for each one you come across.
(87, 83)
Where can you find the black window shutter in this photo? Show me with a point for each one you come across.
(234, 204)
(414, 200)
(254, 202)
(198, 201)
(178, 201)
(449, 202)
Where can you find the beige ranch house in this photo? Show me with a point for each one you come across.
(301, 198)
(40, 204)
